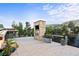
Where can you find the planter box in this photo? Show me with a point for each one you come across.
(47, 40)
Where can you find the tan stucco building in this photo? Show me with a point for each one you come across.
(5, 34)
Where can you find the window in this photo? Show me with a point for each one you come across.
(1, 38)
(37, 27)
(10, 35)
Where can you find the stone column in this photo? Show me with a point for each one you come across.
(39, 29)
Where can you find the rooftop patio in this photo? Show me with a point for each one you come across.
(30, 47)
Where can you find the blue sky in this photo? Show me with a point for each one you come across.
(52, 13)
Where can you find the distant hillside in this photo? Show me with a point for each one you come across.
(76, 22)
(54, 25)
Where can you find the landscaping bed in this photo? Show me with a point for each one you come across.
(48, 38)
(10, 47)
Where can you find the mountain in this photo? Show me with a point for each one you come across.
(53, 25)
(76, 22)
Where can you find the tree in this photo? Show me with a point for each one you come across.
(49, 30)
(27, 24)
(57, 31)
(76, 29)
(14, 25)
(64, 30)
(1, 26)
(19, 28)
(27, 31)
(71, 25)
(32, 31)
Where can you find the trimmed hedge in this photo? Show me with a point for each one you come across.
(48, 36)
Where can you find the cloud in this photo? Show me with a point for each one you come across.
(62, 12)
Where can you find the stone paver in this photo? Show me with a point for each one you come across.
(30, 47)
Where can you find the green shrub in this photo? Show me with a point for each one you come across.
(6, 51)
(12, 42)
(48, 35)
(11, 47)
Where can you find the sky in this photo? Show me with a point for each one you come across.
(52, 13)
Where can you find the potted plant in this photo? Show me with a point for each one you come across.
(10, 47)
(47, 38)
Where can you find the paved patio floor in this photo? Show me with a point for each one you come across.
(30, 47)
